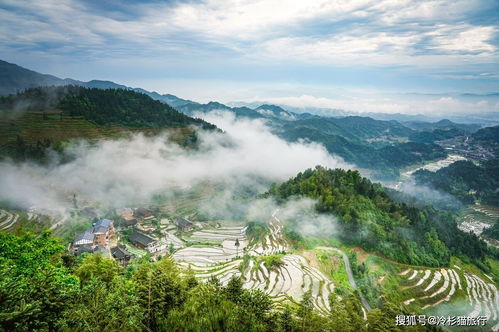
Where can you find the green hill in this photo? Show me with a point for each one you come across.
(385, 160)
(487, 135)
(40, 117)
(465, 180)
(370, 218)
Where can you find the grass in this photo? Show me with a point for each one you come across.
(75, 225)
(332, 265)
(271, 262)
(136, 251)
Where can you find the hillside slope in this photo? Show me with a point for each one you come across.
(41, 117)
(371, 219)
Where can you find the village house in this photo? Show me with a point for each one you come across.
(121, 254)
(103, 230)
(142, 212)
(97, 236)
(126, 217)
(144, 241)
(184, 225)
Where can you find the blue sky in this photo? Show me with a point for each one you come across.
(361, 55)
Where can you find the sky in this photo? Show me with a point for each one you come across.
(405, 56)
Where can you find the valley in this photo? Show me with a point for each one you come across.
(129, 195)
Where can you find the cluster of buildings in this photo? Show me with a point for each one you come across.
(101, 236)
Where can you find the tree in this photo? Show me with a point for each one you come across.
(95, 266)
(100, 306)
(237, 247)
(160, 289)
(35, 286)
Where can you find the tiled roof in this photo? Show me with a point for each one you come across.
(141, 238)
(181, 222)
(120, 252)
(103, 222)
(100, 229)
(87, 235)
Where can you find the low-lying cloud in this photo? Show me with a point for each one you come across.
(131, 171)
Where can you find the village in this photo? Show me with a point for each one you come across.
(133, 233)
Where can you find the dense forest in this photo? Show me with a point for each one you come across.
(372, 219)
(385, 161)
(492, 232)
(103, 107)
(436, 135)
(487, 135)
(35, 127)
(465, 180)
(45, 289)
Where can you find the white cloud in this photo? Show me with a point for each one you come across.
(130, 171)
(348, 48)
(197, 41)
(464, 39)
(281, 30)
(377, 102)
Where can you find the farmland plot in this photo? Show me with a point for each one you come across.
(225, 251)
(438, 286)
(7, 219)
(287, 280)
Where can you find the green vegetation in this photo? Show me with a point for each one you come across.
(465, 180)
(256, 231)
(42, 288)
(273, 261)
(385, 161)
(373, 220)
(47, 117)
(487, 135)
(435, 135)
(493, 232)
(353, 127)
(331, 263)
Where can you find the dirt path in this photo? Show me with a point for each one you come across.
(351, 279)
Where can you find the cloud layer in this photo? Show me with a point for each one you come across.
(118, 173)
(393, 45)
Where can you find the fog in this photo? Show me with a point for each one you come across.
(298, 213)
(420, 195)
(130, 171)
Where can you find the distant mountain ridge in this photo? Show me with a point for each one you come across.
(14, 78)
(444, 124)
(367, 141)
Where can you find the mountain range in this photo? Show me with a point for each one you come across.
(381, 145)
(14, 78)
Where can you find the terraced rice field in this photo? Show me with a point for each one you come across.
(286, 281)
(477, 219)
(435, 287)
(273, 242)
(171, 239)
(9, 219)
(290, 281)
(223, 252)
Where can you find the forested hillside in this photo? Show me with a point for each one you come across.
(385, 160)
(436, 135)
(38, 118)
(104, 107)
(487, 135)
(371, 219)
(355, 127)
(466, 181)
